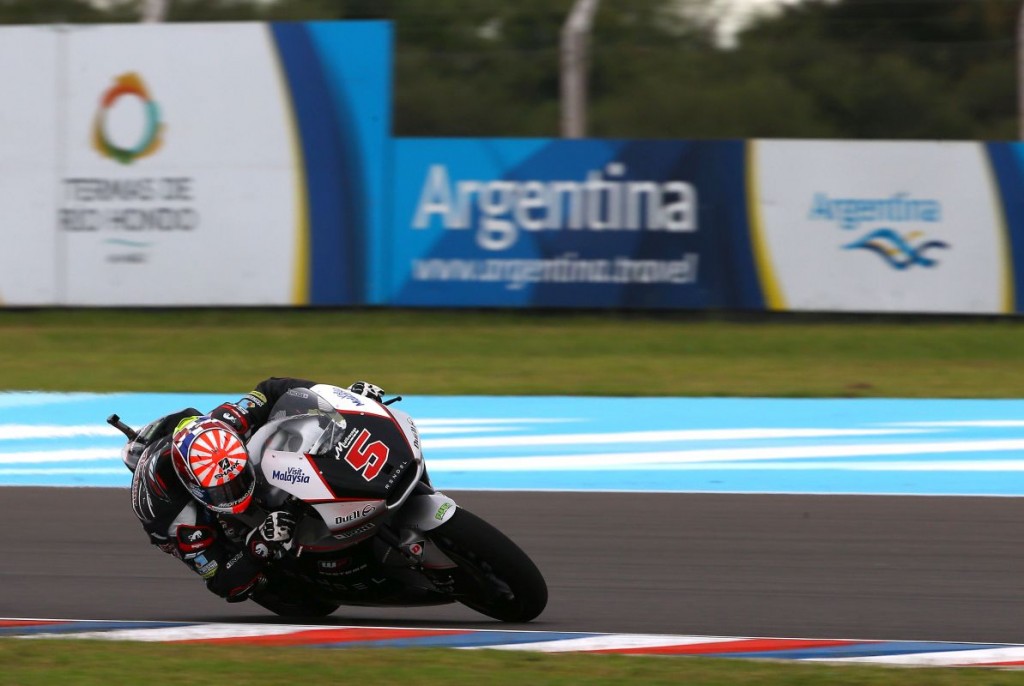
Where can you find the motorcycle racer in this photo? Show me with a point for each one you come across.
(193, 483)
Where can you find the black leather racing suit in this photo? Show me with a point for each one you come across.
(211, 544)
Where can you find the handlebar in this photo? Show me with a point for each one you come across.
(128, 431)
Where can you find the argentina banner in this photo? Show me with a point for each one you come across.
(549, 223)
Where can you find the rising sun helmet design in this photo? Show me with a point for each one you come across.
(213, 464)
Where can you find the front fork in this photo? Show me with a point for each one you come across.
(406, 535)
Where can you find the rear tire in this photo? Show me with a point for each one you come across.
(494, 576)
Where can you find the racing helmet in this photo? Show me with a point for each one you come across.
(212, 462)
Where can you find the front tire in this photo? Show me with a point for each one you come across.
(494, 576)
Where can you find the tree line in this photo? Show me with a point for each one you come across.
(863, 69)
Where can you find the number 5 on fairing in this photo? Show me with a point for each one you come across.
(368, 458)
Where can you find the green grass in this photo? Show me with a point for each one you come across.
(84, 663)
(487, 353)
(507, 353)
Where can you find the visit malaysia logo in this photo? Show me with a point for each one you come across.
(151, 138)
(900, 249)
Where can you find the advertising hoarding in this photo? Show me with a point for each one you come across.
(180, 179)
(339, 76)
(863, 226)
(547, 223)
(193, 164)
(28, 184)
(1007, 160)
(251, 164)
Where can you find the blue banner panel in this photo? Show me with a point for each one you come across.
(554, 223)
(1007, 160)
(339, 77)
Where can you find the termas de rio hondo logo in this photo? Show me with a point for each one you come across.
(143, 140)
(891, 227)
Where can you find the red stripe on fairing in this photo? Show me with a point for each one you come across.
(753, 645)
(357, 499)
(316, 470)
(388, 414)
(315, 636)
(401, 431)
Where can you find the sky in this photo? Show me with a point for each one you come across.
(734, 14)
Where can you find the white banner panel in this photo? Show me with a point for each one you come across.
(181, 181)
(878, 227)
(28, 162)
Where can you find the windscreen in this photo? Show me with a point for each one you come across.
(300, 422)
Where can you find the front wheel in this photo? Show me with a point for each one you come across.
(494, 576)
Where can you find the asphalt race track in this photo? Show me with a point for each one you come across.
(867, 567)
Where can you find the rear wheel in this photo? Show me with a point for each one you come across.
(494, 576)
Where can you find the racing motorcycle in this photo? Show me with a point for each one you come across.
(371, 529)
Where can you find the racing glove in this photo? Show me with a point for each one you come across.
(273, 538)
(368, 390)
(235, 415)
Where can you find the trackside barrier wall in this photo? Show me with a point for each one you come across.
(550, 223)
(779, 225)
(252, 164)
(180, 164)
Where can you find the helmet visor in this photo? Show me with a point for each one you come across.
(233, 495)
